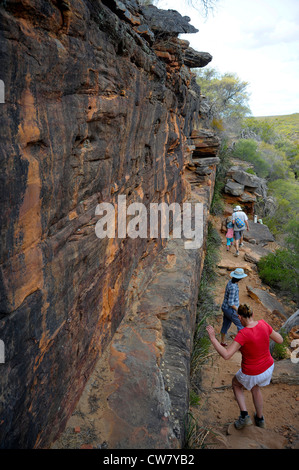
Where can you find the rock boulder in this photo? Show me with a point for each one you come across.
(268, 300)
(233, 188)
(258, 232)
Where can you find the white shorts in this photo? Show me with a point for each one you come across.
(249, 381)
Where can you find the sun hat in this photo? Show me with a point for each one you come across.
(238, 273)
(237, 208)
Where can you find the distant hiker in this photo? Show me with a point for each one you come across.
(240, 220)
(230, 232)
(257, 363)
(231, 303)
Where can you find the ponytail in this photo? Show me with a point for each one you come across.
(245, 311)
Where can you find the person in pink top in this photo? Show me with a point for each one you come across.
(230, 233)
(257, 363)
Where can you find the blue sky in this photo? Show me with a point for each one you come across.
(256, 39)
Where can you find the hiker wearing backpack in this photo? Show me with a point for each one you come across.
(240, 221)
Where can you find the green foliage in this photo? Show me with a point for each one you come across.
(286, 193)
(279, 142)
(206, 303)
(279, 166)
(268, 162)
(248, 150)
(217, 124)
(291, 151)
(194, 399)
(275, 267)
(212, 254)
(259, 128)
(287, 125)
(227, 95)
(217, 205)
(280, 270)
(278, 222)
(292, 239)
(280, 351)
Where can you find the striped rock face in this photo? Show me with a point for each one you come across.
(91, 111)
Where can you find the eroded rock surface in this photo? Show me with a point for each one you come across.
(143, 399)
(97, 104)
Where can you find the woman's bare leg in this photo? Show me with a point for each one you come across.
(257, 400)
(239, 394)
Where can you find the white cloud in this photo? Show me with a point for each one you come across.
(256, 39)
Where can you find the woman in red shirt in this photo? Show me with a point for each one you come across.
(257, 363)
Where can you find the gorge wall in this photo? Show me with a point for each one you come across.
(99, 101)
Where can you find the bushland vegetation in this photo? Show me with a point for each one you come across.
(270, 145)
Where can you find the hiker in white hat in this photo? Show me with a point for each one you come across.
(231, 303)
(240, 220)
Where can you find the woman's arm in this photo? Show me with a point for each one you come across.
(276, 337)
(225, 353)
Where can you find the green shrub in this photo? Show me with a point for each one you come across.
(206, 305)
(194, 399)
(280, 351)
(248, 150)
(268, 161)
(286, 193)
(217, 205)
(262, 128)
(280, 270)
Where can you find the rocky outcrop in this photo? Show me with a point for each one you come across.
(258, 234)
(255, 252)
(286, 372)
(268, 300)
(233, 188)
(290, 327)
(166, 22)
(249, 181)
(99, 101)
(248, 190)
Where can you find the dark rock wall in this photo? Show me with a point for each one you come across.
(98, 102)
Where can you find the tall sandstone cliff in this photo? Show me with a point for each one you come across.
(99, 101)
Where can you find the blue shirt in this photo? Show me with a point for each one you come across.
(231, 296)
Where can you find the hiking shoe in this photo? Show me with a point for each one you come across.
(240, 423)
(241, 244)
(260, 422)
(237, 253)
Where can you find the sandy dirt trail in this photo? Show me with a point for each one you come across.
(218, 409)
